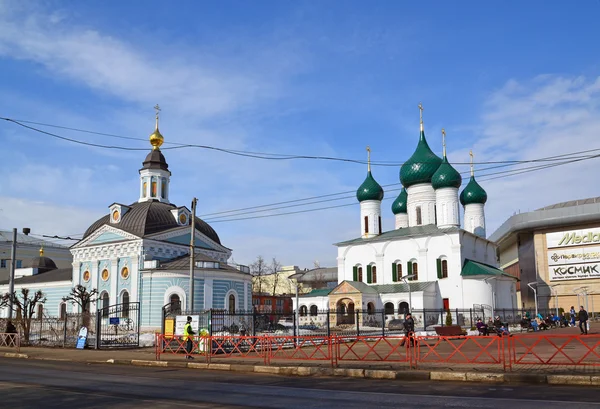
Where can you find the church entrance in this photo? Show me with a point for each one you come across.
(345, 311)
(118, 325)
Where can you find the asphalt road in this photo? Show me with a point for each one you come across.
(55, 384)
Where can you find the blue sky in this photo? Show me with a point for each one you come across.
(511, 81)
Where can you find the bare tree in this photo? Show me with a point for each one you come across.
(258, 270)
(81, 296)
(24, 305)
(274, 269)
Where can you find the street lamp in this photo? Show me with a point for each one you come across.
(404, 278)
(555, 293)
(534, 295)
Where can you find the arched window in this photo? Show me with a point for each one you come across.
(153, 192)
(366, 224)
(175, 302)
(105, 300)
(444, 268)
(389, 308)
(379, 224)
(303, 310)
(374, 274)
(40, 311)
(413, 269)
(360, 277)
(125, 302)
(163, 188)
(419, 218)
(313, 310)
(403, 307)
(370, 308)
(63, 311)
(232, 303)
(145, 189)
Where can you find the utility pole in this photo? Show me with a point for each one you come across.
(11, 279)
(192, 262)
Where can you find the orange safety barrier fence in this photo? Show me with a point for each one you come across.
(373, 348)
(484, 350)
(309, 348)
(581, 350)
(10, 341)
(505, 351)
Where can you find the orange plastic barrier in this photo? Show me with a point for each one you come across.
(370, 348)
(582, 350)
(577, 350)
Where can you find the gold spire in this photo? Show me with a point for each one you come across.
(421, 115)
(368, 158)
(471, 155)
(156, 139)
(444, 141)
(42, 251)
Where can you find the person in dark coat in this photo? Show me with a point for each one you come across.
(10, 328)
(583, 318)
(409, 329)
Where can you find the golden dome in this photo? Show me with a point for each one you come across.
(156, 139)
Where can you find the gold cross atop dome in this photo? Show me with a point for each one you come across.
(42, 251)
(421, 115)
(444, 142)
(471, 155)
(156, 139)
(368, 158)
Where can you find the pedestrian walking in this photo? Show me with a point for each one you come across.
(583, 318)
(188, 333)
(573, 314)
(409, 329)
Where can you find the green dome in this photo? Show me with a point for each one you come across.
(421, 166)
(369, 190)
(446, 176)
(399, 205)
(473, 193)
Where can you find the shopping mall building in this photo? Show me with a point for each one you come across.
(555, 250)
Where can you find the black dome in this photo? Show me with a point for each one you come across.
(155, 160)
(150, 217)
(43, 264)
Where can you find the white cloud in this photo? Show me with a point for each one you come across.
(524, 120)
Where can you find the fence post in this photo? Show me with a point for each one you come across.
(253, 322)
(98, 326)
(383, 323)
(357, 326)
(457, 322)
(328, 325)
(65, 330)
(41, 328)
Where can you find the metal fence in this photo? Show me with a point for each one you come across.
(55, 331)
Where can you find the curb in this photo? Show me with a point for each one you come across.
(480, 377)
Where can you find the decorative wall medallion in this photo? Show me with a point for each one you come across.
(115, 216)
(86, 276)
(105, 274)
(182, 218)
(125, 273)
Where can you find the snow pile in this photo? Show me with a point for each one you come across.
(147, 339)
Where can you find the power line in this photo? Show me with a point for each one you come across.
(257, 155)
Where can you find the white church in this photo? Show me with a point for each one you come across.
(446, 266)
(140, 253)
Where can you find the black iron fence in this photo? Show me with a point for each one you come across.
(118, 326)
(331, 322)
(55, 331)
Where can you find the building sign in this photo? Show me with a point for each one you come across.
(573, 238)
(573, 254)
(574, 271)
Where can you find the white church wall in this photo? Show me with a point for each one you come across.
(421, 195)
(475, 291)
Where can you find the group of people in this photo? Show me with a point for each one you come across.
(540, 323)
(496, 327)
